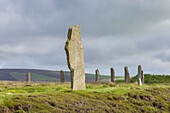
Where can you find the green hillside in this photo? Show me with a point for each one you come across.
(49, 97)
(153, 78)
(35, 76)
(104, 76)
(49, 76)
(22, 97)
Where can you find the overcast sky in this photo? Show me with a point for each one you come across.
(115, 33)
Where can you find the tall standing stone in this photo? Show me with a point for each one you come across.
(112, 72)
(28, 77)
(139, 82)
(97, 75)
(139, 75)
(142, 77)
(139, 71)
(75, 58)
(62, 76)
(127, 75)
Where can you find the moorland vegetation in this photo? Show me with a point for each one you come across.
(119, 97)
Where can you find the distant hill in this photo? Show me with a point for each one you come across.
(45, 75)
(153, 78)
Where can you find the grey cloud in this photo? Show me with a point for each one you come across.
(150, 52)
(32, 18)
(50, 17)
(163, 56)
(119, 17)
(114, 33)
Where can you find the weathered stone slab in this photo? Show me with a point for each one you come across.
(142, 77)
(75, 58)
(127, 75)
(62, 76)
(112, 74)
(139, 71)
(28, 77)
(97, 75)
(139, 82)
(139, 75)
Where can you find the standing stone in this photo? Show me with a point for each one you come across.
(139, 75)
(112, 74)
(142, 77)
(127, 75)
(62, 76)
(139, 71)
(28, 77)
(97, 75)
(75, 58)
(139, 82)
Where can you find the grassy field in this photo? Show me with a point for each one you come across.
(53, 97)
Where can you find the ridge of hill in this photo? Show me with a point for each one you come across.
(38, 75)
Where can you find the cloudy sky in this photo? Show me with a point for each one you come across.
(115, 33)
